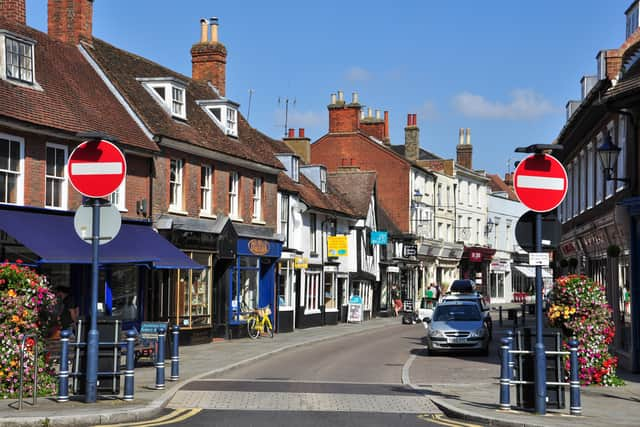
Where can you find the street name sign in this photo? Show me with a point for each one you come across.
(540, 181)
(96, 168)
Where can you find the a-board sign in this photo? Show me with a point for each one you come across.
(149, 330)
(354, 313)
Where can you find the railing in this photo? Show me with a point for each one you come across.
(35, 369)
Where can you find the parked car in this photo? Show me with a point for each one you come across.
(479, 300)
(462, 285)
(457, 326)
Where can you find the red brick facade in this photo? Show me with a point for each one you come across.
(13, 10)
(70, 20)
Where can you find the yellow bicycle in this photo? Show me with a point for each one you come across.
(258, 323)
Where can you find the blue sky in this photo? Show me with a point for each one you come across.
(503, 68)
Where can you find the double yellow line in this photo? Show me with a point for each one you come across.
(442, 420)
(172, 417)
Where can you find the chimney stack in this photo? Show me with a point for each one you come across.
(70, 20)
(386, 140)
(301, 145)
(14, 11)
(343, 117)
(464, 152)
(209, 57)
(412, 138)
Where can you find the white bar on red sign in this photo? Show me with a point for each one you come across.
(540, 182)
(96, 168)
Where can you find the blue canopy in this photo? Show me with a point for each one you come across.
(53, 238)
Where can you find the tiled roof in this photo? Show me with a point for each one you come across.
(73, 97)
(424, 154)
(123, 68)
(497, 184)
(356, 187)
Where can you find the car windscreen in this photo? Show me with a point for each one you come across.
(462, 313)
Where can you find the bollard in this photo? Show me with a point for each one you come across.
(175, 358)
(63, 376)
(130, 366)
(505, 377)
(575, 407)
(500, 315)
(160, 359)
(512, 363)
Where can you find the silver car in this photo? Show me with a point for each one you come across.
(457, 326)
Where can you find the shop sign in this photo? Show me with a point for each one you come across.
(568, 248)
(393, 269)
(499, 265)
(299, 262)
(475, 256)
(379, 237)
(539, 258)
(409, 250)
(258, 247)
(337, 246)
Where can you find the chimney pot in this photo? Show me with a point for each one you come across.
(292, 133)
(203, 30)
(369, 112)
(386, 126)
(468, 136)
(378, 114)
(301, 133)
(354, 97)
(333, 99)
(340, 96)
(214, 30)
(461, 136)
(408, 120)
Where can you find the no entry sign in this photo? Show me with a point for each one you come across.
(540, 181)
(96, 168)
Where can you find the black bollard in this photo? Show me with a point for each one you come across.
(160, 359)
(175, 357)
(63, 376)
(131, 361)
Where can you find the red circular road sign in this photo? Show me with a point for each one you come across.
(540, 181)
(96, 168)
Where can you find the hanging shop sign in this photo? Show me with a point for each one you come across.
(299, 262)
(475, 256)
(258, 247)
(409, 250)
(337, 246)
(379, 237)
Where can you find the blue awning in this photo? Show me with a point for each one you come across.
(52, 237)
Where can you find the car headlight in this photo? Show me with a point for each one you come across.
(478, 333)
(436, 333)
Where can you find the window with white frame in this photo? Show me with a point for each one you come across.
(478, 227)
(470, 194)
(313, 233)
(283, 222)
(576, 187)
(117, 198)
(233, 194)
(224, 114)
(175, 184)
(599, 173)
(286, 283)
(439, 195)
(323, 180)
(330, 291)
(170, 93)
(583, 181)
(206, 179)
(257, 199)
(295, 169)
(312, 291)
(610, 184)
(19, 60)
(449, 194)
(621, 170)
(479, 196)
(590, 176)
(11, 169)
(55, 177)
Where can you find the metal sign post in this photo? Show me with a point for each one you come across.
(541, 360)
(93, 336)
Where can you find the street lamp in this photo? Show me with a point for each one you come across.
(489, 226)
(608, 153)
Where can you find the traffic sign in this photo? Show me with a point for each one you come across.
(110, 222)
(526, 231)
(96, 168)
(540, 181)
(539, 258)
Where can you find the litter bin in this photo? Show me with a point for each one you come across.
(109, 330)
(525, 368)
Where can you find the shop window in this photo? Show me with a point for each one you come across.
(194, 293)
(286, 282)
(312, 290)
(125, 288)
(330, 294)
(249, 284)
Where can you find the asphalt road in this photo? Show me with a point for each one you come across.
(349, 381)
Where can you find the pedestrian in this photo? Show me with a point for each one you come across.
(431, 292)
(438, 292)
(397, 302)
(66, 308)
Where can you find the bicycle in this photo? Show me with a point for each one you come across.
(258, 322)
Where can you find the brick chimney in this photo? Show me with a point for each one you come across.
(209, 57)
(14, 11)
(508, 179)
(344, 117)
(70, 20)
(412, 138)
(373, 125)
(464, 151)
(300, 144)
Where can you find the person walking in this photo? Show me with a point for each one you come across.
(397, 302)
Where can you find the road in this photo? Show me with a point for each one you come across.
(378, 378)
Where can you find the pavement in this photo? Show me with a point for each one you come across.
(601, 405)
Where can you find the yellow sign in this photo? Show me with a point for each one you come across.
(337, 246)
(299, 262)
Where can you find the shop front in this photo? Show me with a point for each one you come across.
(500, 278)
(362, 285)
(474, 265)
(289, 272)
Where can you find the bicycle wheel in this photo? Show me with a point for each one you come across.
(252, 329)
(268, 328)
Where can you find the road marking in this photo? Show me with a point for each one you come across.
(173, 417)
(406, 380)
(442, 420)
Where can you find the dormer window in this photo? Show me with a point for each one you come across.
(170, 93)
(17, 62)
(224, 114)
(323, 180)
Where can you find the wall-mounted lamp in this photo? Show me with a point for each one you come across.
(608, 153)
(489, 226)
(141, 207)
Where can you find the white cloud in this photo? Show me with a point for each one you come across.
(358, 74)
(524, 104)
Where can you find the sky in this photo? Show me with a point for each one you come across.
(503, 68)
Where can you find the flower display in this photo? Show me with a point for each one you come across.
(578, 306)
(26, 306)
